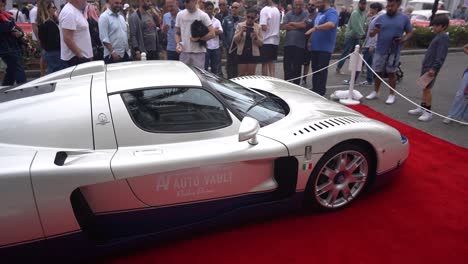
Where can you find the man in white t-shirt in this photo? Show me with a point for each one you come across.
(270, 19)
(75, 39)
(189, 48)
(213, 52)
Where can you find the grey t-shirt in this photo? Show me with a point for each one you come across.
(148, 29)
(295, 37)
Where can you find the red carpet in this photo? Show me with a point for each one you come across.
(421, 217)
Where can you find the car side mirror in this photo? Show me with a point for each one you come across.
(248, 130)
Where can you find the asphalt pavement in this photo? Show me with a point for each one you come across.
(444, 90)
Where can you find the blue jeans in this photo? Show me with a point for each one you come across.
(368, 58)
(349, 45)
(14, 71)
(54, 63)
(213, 59)
(459, 109)
(172, 55)
(320, 59)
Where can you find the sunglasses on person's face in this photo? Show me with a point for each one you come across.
(250, 17)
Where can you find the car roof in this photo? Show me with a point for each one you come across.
(135, 75)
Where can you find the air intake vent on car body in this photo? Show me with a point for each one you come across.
(326, 124)
(253, 77)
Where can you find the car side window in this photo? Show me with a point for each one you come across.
(176, 110)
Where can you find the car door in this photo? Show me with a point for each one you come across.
(179, 146)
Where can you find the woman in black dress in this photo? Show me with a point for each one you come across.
(248, 37)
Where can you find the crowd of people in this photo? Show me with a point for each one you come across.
(197, 33)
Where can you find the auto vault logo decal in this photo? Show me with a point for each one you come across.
(185, 185)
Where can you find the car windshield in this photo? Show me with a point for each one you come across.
(264, 107)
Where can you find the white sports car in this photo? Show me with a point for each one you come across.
(94, 156)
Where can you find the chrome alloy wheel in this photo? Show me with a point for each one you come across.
(341, 179)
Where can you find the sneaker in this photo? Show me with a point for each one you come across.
(346, 82)
(390, 99)
(338, 71)
(447, 121)
(372, 95)
(426, 116)
(365, 83)
(417, 111)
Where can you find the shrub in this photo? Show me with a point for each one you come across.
(423, 36)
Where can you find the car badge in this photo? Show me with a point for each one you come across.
(102, 119)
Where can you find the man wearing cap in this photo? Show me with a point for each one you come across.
(354, 31)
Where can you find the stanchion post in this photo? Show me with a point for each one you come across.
(354, 65)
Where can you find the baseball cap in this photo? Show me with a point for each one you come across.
(126, 6)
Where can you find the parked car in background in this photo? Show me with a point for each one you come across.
(423, 4)
(422, 18)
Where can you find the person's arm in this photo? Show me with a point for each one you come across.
(166, 25)
(297, 25)
(211, 34)
(239, 34)
(104, 34)
(285, 25)
(70, 42)
(133, 25)
(264, 20)
(441, 53)
(218, 29)
(258, 38)
(178, 39)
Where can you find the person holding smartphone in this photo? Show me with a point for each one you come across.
(10, 48)
(248, 37)
(390, 28)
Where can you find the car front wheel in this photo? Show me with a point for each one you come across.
(339, 177)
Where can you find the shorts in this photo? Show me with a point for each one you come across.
(269, 52)
(307, 57)
(431, 84)
(385, 62)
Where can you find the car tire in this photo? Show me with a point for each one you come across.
(340, 176)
